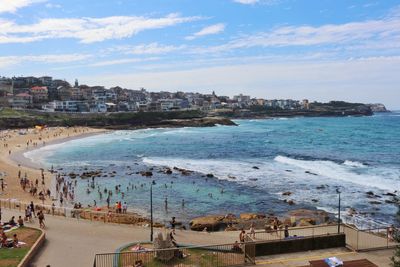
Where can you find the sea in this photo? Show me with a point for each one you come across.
(252, 165)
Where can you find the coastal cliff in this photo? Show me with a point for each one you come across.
(378, 107)
(13, 119)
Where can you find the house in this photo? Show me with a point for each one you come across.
(39, 94)
(22, 100)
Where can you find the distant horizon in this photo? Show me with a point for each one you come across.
(319, 50)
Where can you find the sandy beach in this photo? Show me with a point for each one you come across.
(14, 143)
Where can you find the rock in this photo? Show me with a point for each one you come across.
(369, 193)
(390, 201)
(251, 216)
(291, 202)
(255, 167)
(146, 174)
(317, 215)
(390, 194)
(210, 175)
(230, 216)
(311, 173)
(307, 222)
(288, 193)
(314, 200)
(375, 202)
(211, 222)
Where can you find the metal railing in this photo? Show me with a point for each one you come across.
(369, 239)
(298, 232)
(356, 239)
(68, 212)
(202, 256)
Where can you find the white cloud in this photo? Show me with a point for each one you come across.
(51, 5)
(355, 33)
(147, 49)
(8, 61)
(120, 61)
(246, 2)
(209, 30)
(253, 2)
(87, 30)
(11, 6)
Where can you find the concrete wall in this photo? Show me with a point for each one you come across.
(300, 244)
(33, 251)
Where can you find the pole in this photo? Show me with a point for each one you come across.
(338, 229)
(151, 212)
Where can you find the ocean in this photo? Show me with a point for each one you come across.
(252, 165)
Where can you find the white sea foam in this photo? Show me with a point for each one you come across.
(332, 170)
(354, 164)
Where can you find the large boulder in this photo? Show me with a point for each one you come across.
(211, 222)
(307, 222)
(317, 215)
(251, 216)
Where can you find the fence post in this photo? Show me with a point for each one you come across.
(357, 238)
(387, 238)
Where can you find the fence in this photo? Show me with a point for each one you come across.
(202, 256)
(101, 216)
(356, 239)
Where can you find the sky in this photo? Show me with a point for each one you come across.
(316, 49)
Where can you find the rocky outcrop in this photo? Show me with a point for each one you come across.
(309, 217)
(120, 120)
(378, 107)
(209, 223)
(251, 216)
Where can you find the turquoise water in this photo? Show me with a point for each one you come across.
(253, 164)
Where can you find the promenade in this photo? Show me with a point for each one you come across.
(70, 242)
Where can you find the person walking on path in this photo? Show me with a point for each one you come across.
(41, 219)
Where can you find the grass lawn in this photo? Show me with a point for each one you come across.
(10, 257)
(193, 257)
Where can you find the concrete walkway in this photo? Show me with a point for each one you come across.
(70, 242)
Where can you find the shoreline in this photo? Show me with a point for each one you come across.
(20, 159)
(15, 142)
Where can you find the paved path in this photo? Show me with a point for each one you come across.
(74, 243)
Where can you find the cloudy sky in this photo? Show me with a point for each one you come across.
(316, 49)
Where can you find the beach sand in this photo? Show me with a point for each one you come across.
(13, 144)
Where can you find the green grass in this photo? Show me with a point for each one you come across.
(11, 257)
(198, 257)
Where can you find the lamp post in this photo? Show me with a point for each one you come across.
(338, 229)
(151, 211)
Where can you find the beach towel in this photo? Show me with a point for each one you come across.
(333, 262)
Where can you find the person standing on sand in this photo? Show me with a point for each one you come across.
(32, 208)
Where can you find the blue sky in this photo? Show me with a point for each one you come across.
(316, 49)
